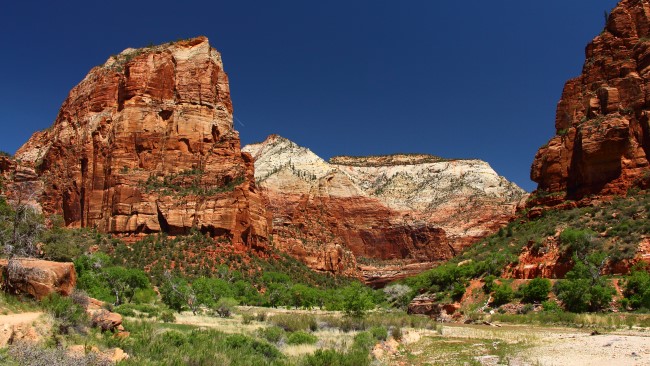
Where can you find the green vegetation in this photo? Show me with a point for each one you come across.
(188, 182)
(584, 289)
(637, 289)
(67, 312)
(536, 290)
(301, 337)
(98, 276)
(590, 237)
(503, 294)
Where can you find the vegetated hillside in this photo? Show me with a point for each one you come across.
(389, 216)
(602, 137)
(607, 238)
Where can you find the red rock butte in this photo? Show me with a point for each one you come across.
(602, 137)
(145, 143)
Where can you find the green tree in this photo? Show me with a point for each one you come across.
(536, 290)
(503, 294)
(123, 282)
(356, 300)
(209, 290)
(637, 288)
(174, 292)
(584, 289)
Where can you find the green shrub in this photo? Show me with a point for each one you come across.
(272, 334)
(578, 241)
(247, 344)
(396, 333)
(301, 337)
(167, 317)
(536, 290)
(225, 306)
(379, 333)
(637, 288)
(295, 322)
(247, 318)
(125, 310)
(551, 306)
(503, 294)
(65, 311)
(325, 357)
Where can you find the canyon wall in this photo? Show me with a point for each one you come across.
(602, 133)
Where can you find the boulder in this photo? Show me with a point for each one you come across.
(38, 278)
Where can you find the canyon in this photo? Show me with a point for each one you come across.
(145, 144)
(389, 216)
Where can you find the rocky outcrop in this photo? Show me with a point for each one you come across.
(602, 121)
(37, 278)
(381, 217)
(145, 144)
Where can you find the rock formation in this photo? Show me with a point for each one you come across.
(37, 278)
(355, 213)
(144, 144)
(602, 133)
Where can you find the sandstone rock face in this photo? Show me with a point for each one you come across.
(145, 143)
(603, 136)
(351, 215)
(38, 278)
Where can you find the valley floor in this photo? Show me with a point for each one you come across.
(449, 344)
(522, 345)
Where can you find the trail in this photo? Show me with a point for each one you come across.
(20, 318)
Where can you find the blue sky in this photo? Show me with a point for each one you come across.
(459, 79)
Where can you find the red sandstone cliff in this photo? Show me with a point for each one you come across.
(145, 143)
(602, 122)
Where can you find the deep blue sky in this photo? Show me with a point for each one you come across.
(463, 79)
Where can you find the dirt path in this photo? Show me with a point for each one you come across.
(21, 318)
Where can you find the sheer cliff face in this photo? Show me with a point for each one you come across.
(362, 212)
(145, 143)
(603, 137)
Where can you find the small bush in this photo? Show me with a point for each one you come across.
(295, 322)
(301, 337)
(168, 317)
(271, 334)
(379, 333)
(225, 306)
(65, 311)
(247, 318)
(551, 306)
(125, 310)
(396, 333)
(324, 357)
(247, 344)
